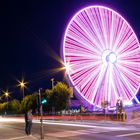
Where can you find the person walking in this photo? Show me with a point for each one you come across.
(28, 122)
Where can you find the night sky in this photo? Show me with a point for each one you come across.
(31, 33)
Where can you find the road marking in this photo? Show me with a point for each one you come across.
(18, 138)
(130, 134)
(97, 130)
(64, 134)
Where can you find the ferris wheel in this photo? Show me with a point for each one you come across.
(103, 55)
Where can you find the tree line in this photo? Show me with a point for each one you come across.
(57, 100)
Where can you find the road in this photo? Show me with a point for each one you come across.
(66, 130)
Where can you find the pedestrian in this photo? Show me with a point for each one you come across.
(28, 122)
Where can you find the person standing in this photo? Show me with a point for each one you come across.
(28, 122)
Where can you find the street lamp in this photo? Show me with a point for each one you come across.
(52, 82)
(22, 85)
(0, 99)
(41, 114)
(6, 95)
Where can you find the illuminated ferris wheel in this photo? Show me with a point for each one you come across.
(103, 55)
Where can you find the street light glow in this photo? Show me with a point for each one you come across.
(67, 67)
(6, 93)
(22, 84)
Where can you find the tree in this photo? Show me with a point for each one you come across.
(29, 101)
(59, 97)
(14, 106)
(46, 95)
(2, 108)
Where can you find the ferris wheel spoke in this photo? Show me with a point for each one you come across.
(110, 79)
(95, 32)
(135, 52)
(102, 22)
(121, 37)
(88, 86)
(114, 86)
(111, 42)
(97, 27)
(106, 26)
(98, 83)
(129, 45)
(82, 56)
(104, 87)
(130, 87)
(118, 33)
(88, 29)
(76, 67)
(79, 77)
(79, 34)
(86, 33)
(123, 92)
(81, 74)
(79, 46)
(131, 68)
(129, 83)
(132, 78)
(83, 43)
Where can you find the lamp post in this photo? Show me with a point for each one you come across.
(41, 114)
(0, 99)
(6, 95)
(52, 82)
(22, 85)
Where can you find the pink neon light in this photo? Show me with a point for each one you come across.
(91, 36)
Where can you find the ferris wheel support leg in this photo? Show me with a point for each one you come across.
(136, 99)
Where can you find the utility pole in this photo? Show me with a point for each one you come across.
(52, 82)
(41, 115)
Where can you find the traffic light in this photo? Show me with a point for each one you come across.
(43, 101)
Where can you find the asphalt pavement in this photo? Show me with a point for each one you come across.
(13, 129)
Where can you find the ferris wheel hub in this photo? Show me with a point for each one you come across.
(109, 56)
(112, 57)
